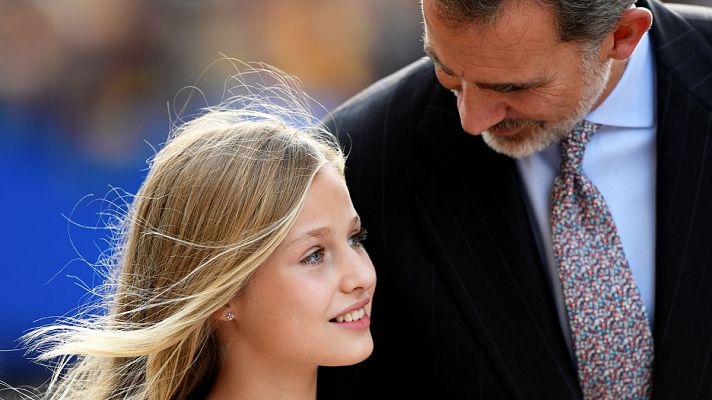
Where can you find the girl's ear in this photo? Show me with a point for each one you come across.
(225, 313)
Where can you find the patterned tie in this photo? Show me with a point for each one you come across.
(609, 327)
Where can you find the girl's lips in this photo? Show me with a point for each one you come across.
(354, 306)
(362, 323)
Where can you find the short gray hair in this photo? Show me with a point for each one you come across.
(584, 21)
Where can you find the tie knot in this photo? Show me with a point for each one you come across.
(573, 146)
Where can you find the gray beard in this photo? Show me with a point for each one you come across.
(540, 135)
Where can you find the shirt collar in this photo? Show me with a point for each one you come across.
(631, 103)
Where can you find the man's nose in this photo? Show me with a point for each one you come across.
(479, 110)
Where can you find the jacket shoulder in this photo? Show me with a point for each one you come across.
(699, 18)
(395, 99)
(682, 45)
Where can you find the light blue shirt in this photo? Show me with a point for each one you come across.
(620, 160)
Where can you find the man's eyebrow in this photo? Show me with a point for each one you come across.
(509, 87)
(504, 87)
(317, 233)
(434, 58)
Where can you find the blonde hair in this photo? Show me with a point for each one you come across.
(220, 196)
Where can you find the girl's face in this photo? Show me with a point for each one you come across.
(309, 304)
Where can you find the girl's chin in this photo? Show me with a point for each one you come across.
(356, 353)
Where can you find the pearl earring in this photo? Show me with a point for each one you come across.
(230, 316)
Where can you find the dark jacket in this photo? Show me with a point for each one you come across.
(462, 308)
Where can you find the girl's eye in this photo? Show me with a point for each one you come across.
(357, 239)
(314, 258)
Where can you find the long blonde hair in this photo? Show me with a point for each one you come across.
(220, 196)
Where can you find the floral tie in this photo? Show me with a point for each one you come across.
(607, 318)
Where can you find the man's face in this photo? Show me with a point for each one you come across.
(516, 83)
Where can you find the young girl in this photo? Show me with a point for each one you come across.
(239, 270)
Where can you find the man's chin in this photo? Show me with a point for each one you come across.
(518, 143)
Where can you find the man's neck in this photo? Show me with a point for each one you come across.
(617, 69)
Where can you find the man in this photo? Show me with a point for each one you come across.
(451, 166)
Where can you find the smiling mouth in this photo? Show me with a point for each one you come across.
(504, 131)
(350, 316)
(514, 125)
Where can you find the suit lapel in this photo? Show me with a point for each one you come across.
(471, 210)
(683, 322)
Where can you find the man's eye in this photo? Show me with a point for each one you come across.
(314, 257)
(509, 89)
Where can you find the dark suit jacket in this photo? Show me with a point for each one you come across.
(463, 309)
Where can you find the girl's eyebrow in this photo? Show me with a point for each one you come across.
(317, 233)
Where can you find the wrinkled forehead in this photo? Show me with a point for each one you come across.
(517, 22)
(523, 37)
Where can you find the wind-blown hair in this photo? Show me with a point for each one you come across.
(220, 196)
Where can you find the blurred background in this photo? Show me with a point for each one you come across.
(87, 90)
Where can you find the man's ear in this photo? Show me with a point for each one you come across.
(630, 29)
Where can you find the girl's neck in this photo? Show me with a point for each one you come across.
(262, 379)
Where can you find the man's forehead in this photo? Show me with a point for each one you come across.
(488, 65)
(526, 45)
(519, 22)
(500, 81)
